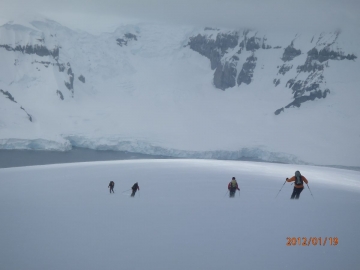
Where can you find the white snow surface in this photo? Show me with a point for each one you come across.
(63, 217)
(156, 96)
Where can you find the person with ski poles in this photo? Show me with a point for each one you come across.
(135, 188)
(232, 187)
(111, 186)
(298, 180)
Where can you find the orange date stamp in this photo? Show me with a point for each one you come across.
(304, 241)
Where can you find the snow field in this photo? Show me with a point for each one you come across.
(63, 217)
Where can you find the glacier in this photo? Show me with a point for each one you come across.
(145, 147)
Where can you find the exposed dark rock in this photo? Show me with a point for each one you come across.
(45, 63)
(276, 82)
(213, 49)
(313, 95)
(242, 45)
(290, 53)
(301, 99)
(278, 111)
(209, 28)
(70, 85)
(127, 37)
(300, 87)
(61, 67)
(351, 57)
(224, 76)
(265, 46)
(315, 59)
(247, 70)
(226, 41)
(82, 78)
(29, 116)
(207, 49)
(33, 49)
(310, 66)
(130, 36)
(327, 54)
(290, 83)
(121, 42)
(311, 85)
(8, 95)
(253, 44)
(284, 68)
(58, 92)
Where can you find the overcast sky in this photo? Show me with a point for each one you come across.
(298, 14)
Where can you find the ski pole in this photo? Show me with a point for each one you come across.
(310, 191)
(281, 188)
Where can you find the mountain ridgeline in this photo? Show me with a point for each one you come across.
(234, 57)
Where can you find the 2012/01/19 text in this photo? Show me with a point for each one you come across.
(304, 241)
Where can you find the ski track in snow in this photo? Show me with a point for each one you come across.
(63, 217)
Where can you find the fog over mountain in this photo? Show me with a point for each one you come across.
(275, 81)
(322, 15)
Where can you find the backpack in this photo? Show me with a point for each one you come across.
(298, 179)
(233, 184)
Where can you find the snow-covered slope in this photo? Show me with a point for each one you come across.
(181, 91)
(63, 217)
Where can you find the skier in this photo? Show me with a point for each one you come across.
(232, 187)
(135, 188)
(111, 186)
(298, 185)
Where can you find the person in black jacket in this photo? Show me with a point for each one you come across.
(135, 188)
(111, 186)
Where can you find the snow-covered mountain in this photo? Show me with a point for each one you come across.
(181, 91)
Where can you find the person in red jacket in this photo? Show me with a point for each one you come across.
(298, 185)
(232, 187)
